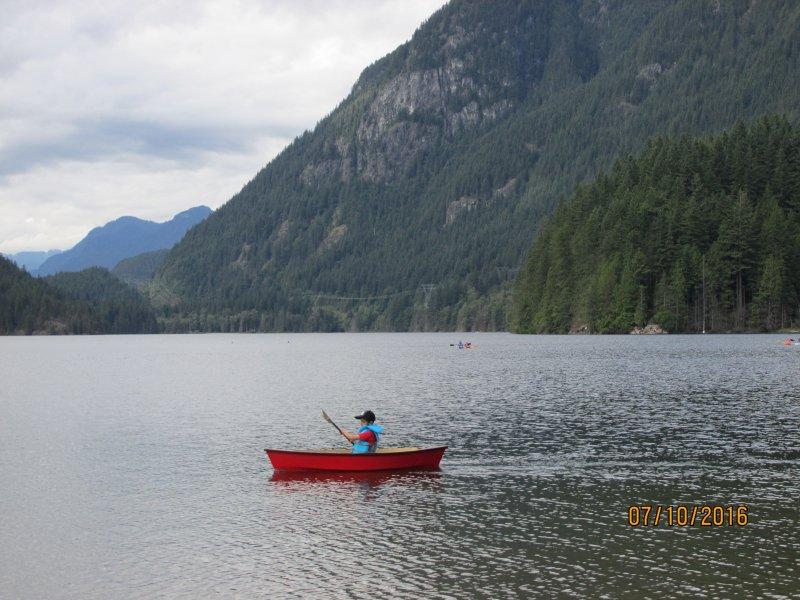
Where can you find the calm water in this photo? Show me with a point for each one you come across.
(132, 467)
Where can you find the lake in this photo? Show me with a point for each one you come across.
(133, 466)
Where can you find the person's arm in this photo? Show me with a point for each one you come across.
(350, 436)
(367, 436)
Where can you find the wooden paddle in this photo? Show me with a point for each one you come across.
(329, 420)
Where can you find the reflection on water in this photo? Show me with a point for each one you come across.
(370, 478)
(368, 483)
(131, 466)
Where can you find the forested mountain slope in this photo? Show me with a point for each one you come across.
(92, 301)
(412, 204)
(118, 307)
(139, 270)
(692, 234)
(28, 305)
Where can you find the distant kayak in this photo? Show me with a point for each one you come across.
(464, 345)
(335, 459)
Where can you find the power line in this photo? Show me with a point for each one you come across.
(382, 297)
(427, 290)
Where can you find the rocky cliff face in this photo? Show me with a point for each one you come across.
(442, 88)
(408, 115)
(417, 109)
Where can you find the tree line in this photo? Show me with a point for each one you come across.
(693, 234)
(88, 302)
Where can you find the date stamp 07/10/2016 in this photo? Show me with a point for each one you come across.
(688, 515)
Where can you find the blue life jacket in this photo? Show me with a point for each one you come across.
(362, 446)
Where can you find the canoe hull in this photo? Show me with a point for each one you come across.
(288, 460)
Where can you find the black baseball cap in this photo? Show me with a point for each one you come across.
(367, 415)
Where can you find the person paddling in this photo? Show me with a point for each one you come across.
(368, 436)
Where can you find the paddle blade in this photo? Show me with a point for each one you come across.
(326, 417)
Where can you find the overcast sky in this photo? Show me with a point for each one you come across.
(119, 108)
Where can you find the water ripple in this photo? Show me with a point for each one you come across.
(130, 467)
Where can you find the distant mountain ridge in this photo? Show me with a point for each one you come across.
(123, 238)
(31, 260)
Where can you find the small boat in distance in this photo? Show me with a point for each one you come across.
(336, 459)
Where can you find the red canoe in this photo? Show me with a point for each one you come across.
(385, 459)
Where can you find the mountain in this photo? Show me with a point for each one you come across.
(30, 261)
(412, 204)
(138, 270)
(119, 307)
(28, 305)
(693, 234)
(125, 237)
(92, 301)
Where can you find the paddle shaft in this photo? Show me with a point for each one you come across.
(329, 420)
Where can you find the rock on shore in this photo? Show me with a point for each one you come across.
(651, 329)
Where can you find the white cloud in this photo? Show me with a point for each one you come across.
(149, 108)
